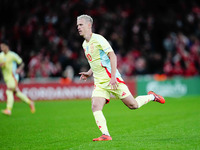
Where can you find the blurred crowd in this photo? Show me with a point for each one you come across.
(149, 37)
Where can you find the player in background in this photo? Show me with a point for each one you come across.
(8, 63)
(107, 79)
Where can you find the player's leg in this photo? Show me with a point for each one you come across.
(97, 107)
(139, 101)
(133, 103)
(11, 84)
(9, 104)
(130, 102)
(24, 98)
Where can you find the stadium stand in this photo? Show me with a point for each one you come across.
(145, 39)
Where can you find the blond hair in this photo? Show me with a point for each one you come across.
(86, 17)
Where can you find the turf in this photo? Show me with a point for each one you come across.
(70, 125)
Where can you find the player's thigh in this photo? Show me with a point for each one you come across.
(125, 95)
(100, 96)
(11, 83)
(130, 102)
(101, 91)
(98, 103)
(121, 92)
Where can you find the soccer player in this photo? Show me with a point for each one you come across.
(8, 63)
(107, 79)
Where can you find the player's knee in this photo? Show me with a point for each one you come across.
(133, 106)
(11, 89)
(95, 107)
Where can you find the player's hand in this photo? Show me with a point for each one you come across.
(2, 64)
(18, 71)
(84, 75)
(113, 83)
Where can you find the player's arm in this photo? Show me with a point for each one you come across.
(85, 75)
(20, 68)
(113, 62)
(19, 61)
(2, 64)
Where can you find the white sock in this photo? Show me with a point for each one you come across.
(101, 122)
(141, 100)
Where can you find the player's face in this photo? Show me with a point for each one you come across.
(3, 47)
(82, 26)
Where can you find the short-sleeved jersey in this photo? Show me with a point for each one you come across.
(9, 61)
(96, 51)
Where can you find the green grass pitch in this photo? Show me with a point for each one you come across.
(61, 125)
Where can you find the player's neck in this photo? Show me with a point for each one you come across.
(6, 51)
(88, 37)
